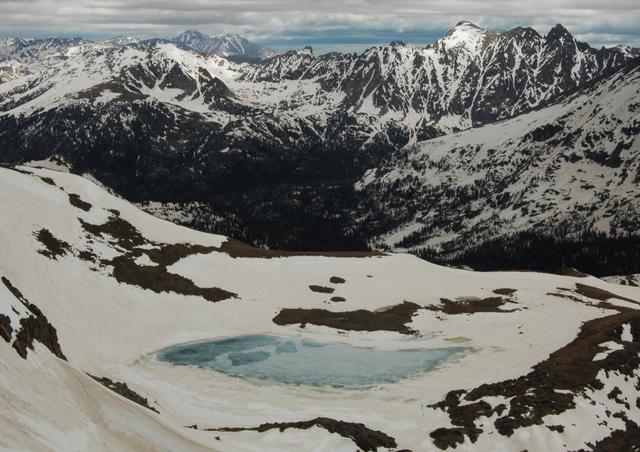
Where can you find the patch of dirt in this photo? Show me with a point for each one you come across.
(338, 299)
(152, 277)
(568, 294)
(464, 417)
(169, 254)
(390, 319)
(531, 397)
(600, 294)
(337, 280)
(619, 440)
(48, 180)
(121, 231)
(237, 249)
(124, 391)
(365, 438)
(76, 201)
(471, 305)
(321, 289)
(33, 328)
(505, 291)
(158, 279)
(54, 248)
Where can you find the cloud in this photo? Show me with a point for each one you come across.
(328, 23)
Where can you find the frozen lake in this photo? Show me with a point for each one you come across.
(301, 361)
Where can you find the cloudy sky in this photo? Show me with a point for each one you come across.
(347, 25)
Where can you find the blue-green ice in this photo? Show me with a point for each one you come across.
(301, 361)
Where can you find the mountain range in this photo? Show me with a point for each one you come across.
(473, 141)
(230, 46)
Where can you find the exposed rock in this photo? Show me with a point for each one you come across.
(321, 289)
(124, 390)
(365, 438)
(550, 388)
(36, 327)
(76, 201)
(54, 247)
(5, 327)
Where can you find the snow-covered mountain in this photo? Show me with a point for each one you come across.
(470, 77)
(91, 288)
(10, 70)
(570, 167)
(21, 57)
(30, 51)
(229, 45)
(273, 151)
(122, 40)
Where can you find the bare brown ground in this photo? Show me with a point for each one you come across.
(152, 277)
(365, 438)
(237, 249)
(600, 294)
(570, 369)
(76, 201)
(391, 319)
(470, 306)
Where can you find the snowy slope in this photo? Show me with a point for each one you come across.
(34, 55)
(575, 163)
(81, 271)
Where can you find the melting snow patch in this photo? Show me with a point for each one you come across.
(611, 346)
(626, 335)
(144, 260)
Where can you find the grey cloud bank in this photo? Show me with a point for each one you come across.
(327, 25)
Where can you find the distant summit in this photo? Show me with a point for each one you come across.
(230, 46)
(121, 40)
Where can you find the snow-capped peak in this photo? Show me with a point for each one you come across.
(307, 50)
(225, 46)
(464, 34)
(122, 40)
(189, 35)
(627, 51)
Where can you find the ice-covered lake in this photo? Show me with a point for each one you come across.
(302, 361)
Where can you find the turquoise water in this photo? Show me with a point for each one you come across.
(302, 361)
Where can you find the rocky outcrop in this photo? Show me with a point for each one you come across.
(34, 327)
(365, 438)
